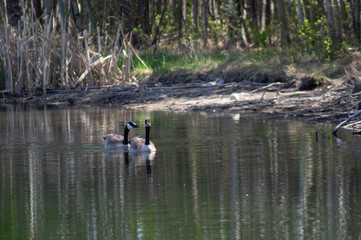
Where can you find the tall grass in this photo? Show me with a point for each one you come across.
(36, 56)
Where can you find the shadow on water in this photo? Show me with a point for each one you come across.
(213, 176)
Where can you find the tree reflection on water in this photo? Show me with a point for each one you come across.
(212, 177)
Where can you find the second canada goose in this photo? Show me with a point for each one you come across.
(113, 141)
(140, 144)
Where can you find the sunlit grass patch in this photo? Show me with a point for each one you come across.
(163, 63)
(269, 61)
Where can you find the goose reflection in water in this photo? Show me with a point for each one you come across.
(138, 159)
(132, 162)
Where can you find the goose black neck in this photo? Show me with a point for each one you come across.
(147, 130)
(126, 131)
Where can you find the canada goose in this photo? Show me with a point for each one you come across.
(140, 144)
(113, 141)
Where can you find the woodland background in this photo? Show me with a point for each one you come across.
(70, 43)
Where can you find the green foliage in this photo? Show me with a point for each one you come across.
(328, 49)
(165, 63)
(138, 30)
(264, 55)
(261, 38)
(314, 39)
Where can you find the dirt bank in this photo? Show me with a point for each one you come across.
(285, 97)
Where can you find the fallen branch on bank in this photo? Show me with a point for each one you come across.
(355, 126)
(268, 86)
(345, 121)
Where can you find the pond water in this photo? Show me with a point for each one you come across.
(214, 176)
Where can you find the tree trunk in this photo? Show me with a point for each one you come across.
(261, 15)
(330, 21)
(239, 4)
(356, 19)
(308, 7)
(156, 27)
(213, 14)
(338, 19)
(75, 13)
(179, 19)
(268, 13)
(232, 23)
(205, 22)
(213, 9)
(144, 15)
(268, 18)
(93, 22)
(254, 15)
(195, 8)
(343, 16)
(184, 9)
(285, 38)
(301, 16)
(153, 23)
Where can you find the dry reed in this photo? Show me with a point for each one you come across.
(35, 56)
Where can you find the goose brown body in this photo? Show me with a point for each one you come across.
(143, 145)
(113, 141)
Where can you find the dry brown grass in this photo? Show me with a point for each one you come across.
(36, 57)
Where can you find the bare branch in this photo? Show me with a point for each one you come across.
(344, 122)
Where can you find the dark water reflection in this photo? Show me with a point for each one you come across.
(212, 177)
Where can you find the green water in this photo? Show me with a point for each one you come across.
(212, 177)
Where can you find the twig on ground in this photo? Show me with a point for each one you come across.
(267, 86)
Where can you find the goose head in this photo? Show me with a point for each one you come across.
(147, 123)
(131, 125)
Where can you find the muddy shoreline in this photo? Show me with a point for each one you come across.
(331, 102)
